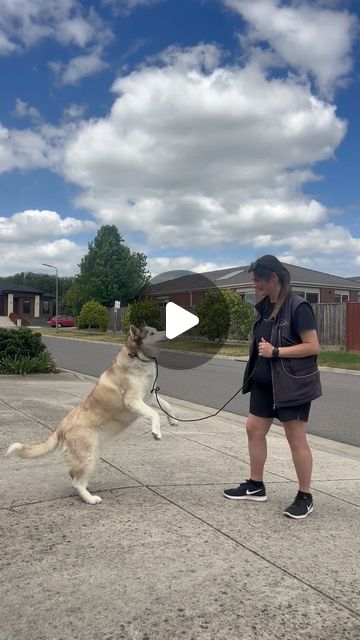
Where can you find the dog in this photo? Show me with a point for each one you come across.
(121, 395)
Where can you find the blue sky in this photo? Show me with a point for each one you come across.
(209, 131)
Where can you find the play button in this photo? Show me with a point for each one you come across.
(178, 320)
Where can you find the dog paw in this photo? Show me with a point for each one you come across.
(173, 422)
(157, 435)
(94, 500)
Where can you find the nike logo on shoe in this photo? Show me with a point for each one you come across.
(250, 493)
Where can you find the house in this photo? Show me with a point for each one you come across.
(29, 303)
(315, 286)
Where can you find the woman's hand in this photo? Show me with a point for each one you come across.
(265, 349)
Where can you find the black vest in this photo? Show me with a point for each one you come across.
(294, 380)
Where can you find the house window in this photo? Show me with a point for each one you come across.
(341, 296)
(45, 306)
(310, 296)
(162, 302)
(26, 306)
(248, 295)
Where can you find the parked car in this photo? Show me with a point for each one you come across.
(62, 321)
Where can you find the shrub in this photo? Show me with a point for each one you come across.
(143, 311)
(93, 314)
(22, 351)
(14, 318)
(22, 364)
(20, 341)
(224, 314)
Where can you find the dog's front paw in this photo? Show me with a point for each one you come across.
(157, 435)
(173, 422)
(94, 500)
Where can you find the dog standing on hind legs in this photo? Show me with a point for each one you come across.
(121, 395)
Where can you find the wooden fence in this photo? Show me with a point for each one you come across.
(338, 324)
(331, 324)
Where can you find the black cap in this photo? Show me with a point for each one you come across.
(269, 263)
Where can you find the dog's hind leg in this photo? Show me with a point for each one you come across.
(82, 460)
(80, 478)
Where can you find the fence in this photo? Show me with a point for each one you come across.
(353, 326)
(331, 324)
(338, 325)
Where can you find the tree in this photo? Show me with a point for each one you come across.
(110, 271)
(93, 314)
(143, 311)
(224, 314)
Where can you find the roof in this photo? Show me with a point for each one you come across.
(9, 287)
(240, 277)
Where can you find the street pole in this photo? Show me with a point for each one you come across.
(57, 293)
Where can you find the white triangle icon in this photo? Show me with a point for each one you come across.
(178, 320)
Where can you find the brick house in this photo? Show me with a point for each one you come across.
(32, 304)
(315, 286)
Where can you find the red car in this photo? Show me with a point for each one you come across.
(62, 321)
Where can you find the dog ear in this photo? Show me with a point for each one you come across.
(133, 332)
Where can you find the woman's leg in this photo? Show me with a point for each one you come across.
(295, 431)
(257, 429)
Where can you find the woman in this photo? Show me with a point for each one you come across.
(283, 379)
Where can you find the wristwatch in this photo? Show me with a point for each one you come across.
(275, 352)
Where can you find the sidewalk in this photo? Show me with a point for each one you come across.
(165, 556)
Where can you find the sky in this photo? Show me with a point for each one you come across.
(210, 132)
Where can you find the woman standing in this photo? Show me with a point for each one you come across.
(283, 379)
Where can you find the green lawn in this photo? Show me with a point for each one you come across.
(336, 359)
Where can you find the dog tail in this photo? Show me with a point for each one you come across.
(34, 450)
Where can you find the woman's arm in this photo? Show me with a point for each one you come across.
(308, 347)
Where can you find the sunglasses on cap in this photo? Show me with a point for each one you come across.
(258, 264)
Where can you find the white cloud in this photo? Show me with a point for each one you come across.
(24, 110)
(79, 67)
(26, 226)
(74, 112)
(329, 239)
(24, 23)
(161, 264)
(120, 6)
(64, 253)
(28, 238)
(33, 148)
(310, 38)
(194, 154)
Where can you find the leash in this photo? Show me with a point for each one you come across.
(157, 389)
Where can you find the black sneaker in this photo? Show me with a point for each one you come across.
(247, 491)
(301, 507)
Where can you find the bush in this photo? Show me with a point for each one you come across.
(22, 351)
(23, 364)
(92, 315)
(14, 318)
(20, 341)
(224, 314)
(143, 311)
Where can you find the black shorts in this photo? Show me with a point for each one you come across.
(262, 405)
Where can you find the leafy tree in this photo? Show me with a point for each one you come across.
(224, 314)
(110, 271)
(93, 314)
(143, 311)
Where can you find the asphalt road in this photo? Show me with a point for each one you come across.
(336, 415)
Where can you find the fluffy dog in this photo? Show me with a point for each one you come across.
(121, 395)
